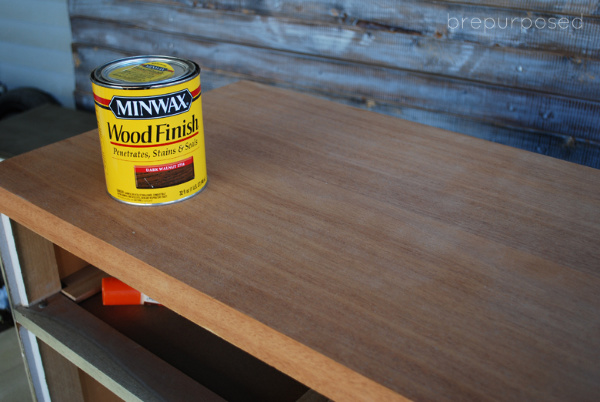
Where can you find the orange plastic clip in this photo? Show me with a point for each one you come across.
(117, 293)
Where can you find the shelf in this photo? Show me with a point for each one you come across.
(151, 353)
(115, 361)
(196, 352)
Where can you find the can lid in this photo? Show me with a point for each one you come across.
(141, 72)
(115, 292)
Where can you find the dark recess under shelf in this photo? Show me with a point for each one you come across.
(218, 365)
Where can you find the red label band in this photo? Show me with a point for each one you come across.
(101, 101)
(196, 92)
(165, 167)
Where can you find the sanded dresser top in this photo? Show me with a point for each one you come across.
(366, 256)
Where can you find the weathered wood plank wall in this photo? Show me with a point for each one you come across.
(532, 80)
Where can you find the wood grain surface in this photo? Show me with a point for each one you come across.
(83, 284)
(37, 263)
(365, 256)
(130, 371)
(524, 82)
(217, 365)
(391, 86)
(461, 57)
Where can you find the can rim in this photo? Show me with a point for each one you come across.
(186, 69)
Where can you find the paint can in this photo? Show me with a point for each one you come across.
(149, 115)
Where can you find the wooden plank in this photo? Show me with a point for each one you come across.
(312, 396)
(497, 105)
(94, 391)
(325, 9)
(358, 33)
(564, 147)
(420, 18)
(219, 366)
(62, 376)
(115, 361)
(83, 284)
(68, 383)
(38, 263)
(551, 72)
(67, 263)
(13, 277)
(365, 256)
(576, 7)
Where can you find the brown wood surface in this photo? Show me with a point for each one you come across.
(130, 371)
(61, 375)
(366, 256)
(68, 263)
(37, 262)
(93, 391)
(205, 358)
(558, 146)
(83, 284)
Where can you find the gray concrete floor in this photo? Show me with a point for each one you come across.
(14, 386)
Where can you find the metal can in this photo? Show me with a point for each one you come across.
(149, 114)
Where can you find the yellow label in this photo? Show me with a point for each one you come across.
(152, 142)
(143, 73)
